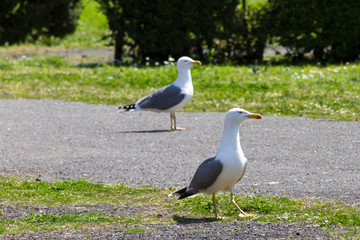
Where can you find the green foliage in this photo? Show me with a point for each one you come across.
(92, 28)
(214, 31)
(312, 91)
(23, 19)
(328, 28)
(244, 37)
(329, 31)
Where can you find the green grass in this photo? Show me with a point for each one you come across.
(67, 192)
(153, 206)
(311, 91)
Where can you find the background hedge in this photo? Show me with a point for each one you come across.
(216, 31)
(328, 28)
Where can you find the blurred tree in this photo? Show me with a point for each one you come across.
(30, 19)
(245, 35)
(206, 25)
(144, 28)
(158, 29)
(329, 29)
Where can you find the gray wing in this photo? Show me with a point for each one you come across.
(162, 99)
(206, 174)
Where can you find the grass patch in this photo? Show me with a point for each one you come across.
(339, 219)
(50, 222)
(108, 205)
(309, 91)
(14, 192)
(277, 209)
(50, 219)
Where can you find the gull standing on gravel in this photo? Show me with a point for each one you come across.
(171, 97)
(227, 167)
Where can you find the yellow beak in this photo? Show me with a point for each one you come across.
(196, 63)
(254, 115)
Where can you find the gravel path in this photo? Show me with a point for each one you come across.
(208, 230)
(60, 140)
(184, 228)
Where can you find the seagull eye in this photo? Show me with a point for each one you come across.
(241, 112)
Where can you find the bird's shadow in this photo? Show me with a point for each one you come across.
(148, 131)
(187, 220)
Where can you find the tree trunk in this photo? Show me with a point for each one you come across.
(246, 32)
(200, 50)
(119, 42)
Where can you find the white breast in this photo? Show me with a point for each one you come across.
(189, 92)
(232, 172)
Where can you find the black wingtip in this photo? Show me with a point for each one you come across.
(181, 191)
(185, 195)
(126, 108)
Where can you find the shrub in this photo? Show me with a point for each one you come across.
(245, 35)
(160, 28)
(25, 19)
(214, 31)
(329, 29)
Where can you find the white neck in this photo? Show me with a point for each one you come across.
(184, 78)
(230, 142)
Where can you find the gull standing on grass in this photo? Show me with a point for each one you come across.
(227, 167)
(171, 97)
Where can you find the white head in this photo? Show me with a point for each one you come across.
(186, 63)
(237, 115)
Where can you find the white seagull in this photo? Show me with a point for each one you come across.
(227, 167)
(171, 97)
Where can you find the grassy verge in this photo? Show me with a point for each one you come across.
(51, 206)
(311, 91)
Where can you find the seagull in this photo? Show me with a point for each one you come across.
(226, 168)
(171, 97)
